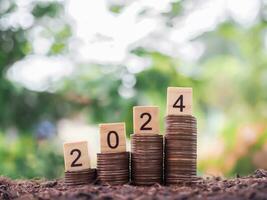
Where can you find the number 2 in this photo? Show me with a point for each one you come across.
(74, 164)
(181, 104)
(143, 127)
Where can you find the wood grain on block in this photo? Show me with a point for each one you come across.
(76, 156)
(146, 119)
(112, 137)
(179, 101)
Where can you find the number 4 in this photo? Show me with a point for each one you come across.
(179, 103)
(179, 100)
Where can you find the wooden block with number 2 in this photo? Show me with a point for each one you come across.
(146, 119)
(112, 137)
(76, 156)
(179, 101)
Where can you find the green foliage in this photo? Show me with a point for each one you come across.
(243, 166)
(20, 107)
(51, 9)
(115, 8)
(23, 158)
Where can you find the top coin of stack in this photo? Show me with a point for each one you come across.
(146, 159)
(180, 148)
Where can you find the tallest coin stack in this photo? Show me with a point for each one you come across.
(180, 149)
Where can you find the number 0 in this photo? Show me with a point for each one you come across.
(116, 139)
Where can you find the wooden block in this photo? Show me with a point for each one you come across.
(146, 119)
(179, 101)
(76, 156)
(112, 137)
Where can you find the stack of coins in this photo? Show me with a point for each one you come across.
(80, 177)
(113, 168)
(146, 159)
(180, 149)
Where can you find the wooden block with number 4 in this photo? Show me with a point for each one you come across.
(146, 119)
(76, 156)
(179, 101)
(112, 137)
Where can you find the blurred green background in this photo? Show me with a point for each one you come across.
(66, 66)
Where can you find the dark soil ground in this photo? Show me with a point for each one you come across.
(250, 187)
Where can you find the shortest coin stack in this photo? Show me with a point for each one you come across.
(113, 168)
(80, 177)
(147, 159)
(180, 149)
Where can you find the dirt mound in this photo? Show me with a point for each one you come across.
(249, 187)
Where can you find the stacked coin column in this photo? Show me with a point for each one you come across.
(180, 137)
(77, 164)
(146, 147)
(113, 161)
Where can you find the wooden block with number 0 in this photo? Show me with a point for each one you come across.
(179, 101)
(112, 137)
(146, 119)
(76, 156)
